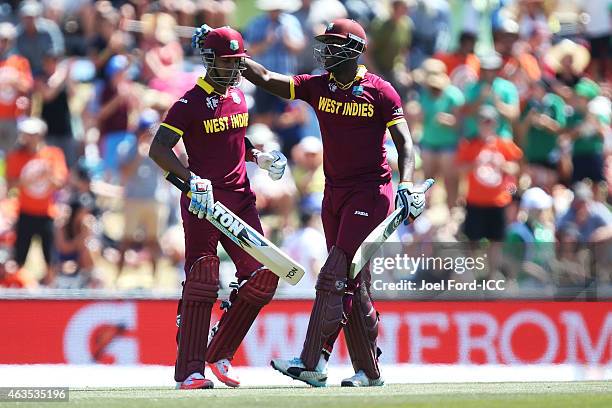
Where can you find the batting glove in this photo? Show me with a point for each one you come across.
(274, 161)
(201, 196)
(411, 198)
(200, 33)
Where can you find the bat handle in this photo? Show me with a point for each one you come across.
(178, 183)
(428, 183)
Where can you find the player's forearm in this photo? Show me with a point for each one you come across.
(405, 152)
(161, 153)
(272, 82)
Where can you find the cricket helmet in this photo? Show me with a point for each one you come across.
(225, 43)
(344, 39)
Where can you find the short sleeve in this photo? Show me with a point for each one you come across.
(456, 97)
(60, 171)
(463, 152)
(301, 87)
(511, 151)
(13, 166)
(178, 117)
(390, 105)
(510, 94)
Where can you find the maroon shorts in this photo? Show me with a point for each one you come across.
(201, 237)
(349, 214)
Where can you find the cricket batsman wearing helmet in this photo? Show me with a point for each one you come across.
(212, 118)
(355, 109)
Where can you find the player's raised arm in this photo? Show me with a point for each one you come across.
(273, 82)
(161, 152)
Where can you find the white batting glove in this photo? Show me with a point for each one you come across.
(201, 196)
(274, 161)
(411, 198)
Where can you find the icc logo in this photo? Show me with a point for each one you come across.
(212, 102)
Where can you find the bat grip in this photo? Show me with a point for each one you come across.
(178, 183)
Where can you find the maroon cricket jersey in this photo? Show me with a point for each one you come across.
(213, 128)
(353, 124)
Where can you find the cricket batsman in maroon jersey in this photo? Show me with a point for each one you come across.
(212, 118)
(355, 109)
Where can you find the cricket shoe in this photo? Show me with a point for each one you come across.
(224, 372)
(360, 379)
(295, 369)
(195, 381)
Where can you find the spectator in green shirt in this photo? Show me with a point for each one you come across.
(542, 119)
(529, 245)
(390, 41)
(587, 130)
(439, 103)
(492, 90)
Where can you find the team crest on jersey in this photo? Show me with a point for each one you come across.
(212, 102)
(358, 90)
(233, 44)
(332, 86)
(235, 97)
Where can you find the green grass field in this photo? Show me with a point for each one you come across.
(489, 395)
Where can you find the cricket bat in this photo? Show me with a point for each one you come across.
(247, 238)
(378, 236)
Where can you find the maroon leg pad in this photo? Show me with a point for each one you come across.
(361, 330)
(237, 320)
(327, 311)
(199, 294)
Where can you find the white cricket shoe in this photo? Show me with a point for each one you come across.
(360, 379)
(295, 369)
(224, 372)
(195, 381)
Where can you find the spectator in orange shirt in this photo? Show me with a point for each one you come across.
(462, 65)
(491, 161)
(10, 276)
(15, 82)
(38, 171)
(520, 67)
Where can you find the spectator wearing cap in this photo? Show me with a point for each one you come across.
(492, 90)
(54, 88)
(592, 220)
(15, 83)
(118, 101)
(462, 65)
(439, 103)
(490, 163)
(587, 129)
(529, 245)
(145, 194)
(389, 46)
(37, 36)
(542, 120)
(38, 172)
(274, 39)
(518, 65)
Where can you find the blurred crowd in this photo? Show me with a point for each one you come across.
(508, 103)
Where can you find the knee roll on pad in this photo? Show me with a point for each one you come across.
(361, 332)
(237, 320)
(327, 310)
(259, 289)
(202, 282)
